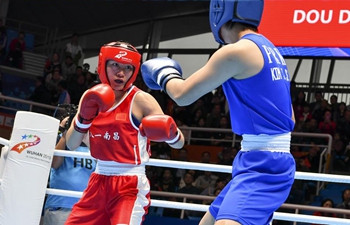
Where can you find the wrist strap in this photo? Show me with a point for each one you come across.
(81, 127)
(176, 139)
(166, 75)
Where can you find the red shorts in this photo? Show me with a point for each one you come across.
(112, 200)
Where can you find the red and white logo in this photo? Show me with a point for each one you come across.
(121, 54)
(29, 142)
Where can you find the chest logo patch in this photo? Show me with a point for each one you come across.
(121, 116)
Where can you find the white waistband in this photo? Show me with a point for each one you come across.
(263, 142)
(111, 168)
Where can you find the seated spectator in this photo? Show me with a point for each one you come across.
(51, 64)
(220, 184)
(306, 115)
(198, 114)
(298, 104)
(189, 188)
(299, 191)
(222, 138)
(213, 118)
(327, 126)
(339, 154)
(201, 134)
(343, 127)
(334, 107)
(206, 157)
(345, 204)
(64, 97)
(317, 103)
(180, 173)
(163, 150)
(41, 95)
(68, 67)
(216, 193)
(205, 180)
(218, 98)
(16, 49)
(327, 203)
(77, 89)
(52, 84)
(90, 79)
(312, 159)
(2, 26)
(165, 183)
(86, 68)
(198, 104)
(3, 41)
(312, 127)
(227, 155)
(182, 182)
(74, 50)
(319, 113)
(341, 112)
(347, 157)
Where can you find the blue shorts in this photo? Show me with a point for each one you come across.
(261, 182)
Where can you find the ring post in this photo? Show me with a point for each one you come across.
(27, 168)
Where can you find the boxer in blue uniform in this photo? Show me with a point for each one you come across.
(255, 80)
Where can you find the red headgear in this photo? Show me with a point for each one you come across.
(121, 52)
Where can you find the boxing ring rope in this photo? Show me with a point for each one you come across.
(214, 168)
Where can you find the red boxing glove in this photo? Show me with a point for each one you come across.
(160, 128)
(97, 99)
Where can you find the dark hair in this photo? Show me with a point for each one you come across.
(326, 200)
(22, 33)
(63, 84)
(41, 79)
(242, 26)
(183, 149)
(206, 152)
(220, 179)
(342, 195)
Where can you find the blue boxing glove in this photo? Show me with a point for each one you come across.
(158, 71)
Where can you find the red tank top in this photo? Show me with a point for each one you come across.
(114, 137)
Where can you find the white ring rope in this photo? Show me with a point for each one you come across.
(203, 208)
(215, 168)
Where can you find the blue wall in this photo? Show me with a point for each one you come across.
(17, 87)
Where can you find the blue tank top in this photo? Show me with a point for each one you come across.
(261, 104)
(73, 174)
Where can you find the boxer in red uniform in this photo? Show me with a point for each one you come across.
(117, 121)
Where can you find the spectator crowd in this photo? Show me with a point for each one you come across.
(65, 79)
